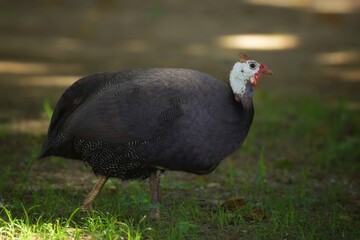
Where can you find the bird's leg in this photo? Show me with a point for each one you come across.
(87, 204)
(154, 181)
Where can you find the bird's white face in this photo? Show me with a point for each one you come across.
(246, 71)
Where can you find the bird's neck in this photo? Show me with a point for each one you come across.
(246, 111)
(245, 104)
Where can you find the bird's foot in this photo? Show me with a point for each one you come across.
(155, 213)
(86, 207)
(154, 182)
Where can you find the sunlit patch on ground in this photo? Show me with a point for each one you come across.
(355, 106)
(346, 75)
(31, 126)
(334, 6)
(21, 68)
(351, 75)
(14, 67)
(66, 43)
(135, 46)
(319, 6)
(196, 49)
(259, 41)
(337, 58)
(47, 81)
(280, 3)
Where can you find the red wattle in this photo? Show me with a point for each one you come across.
(256, 78)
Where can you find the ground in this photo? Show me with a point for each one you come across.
(296, 175)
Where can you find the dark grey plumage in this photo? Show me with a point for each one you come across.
(128, 124)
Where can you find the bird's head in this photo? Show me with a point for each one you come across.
(245, 75)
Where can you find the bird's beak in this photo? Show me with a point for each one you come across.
(265, 70)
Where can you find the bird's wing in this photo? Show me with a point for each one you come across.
(126, 112)
(75, 96)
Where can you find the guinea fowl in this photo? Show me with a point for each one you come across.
(135, 124)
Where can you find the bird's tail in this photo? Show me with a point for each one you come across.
(45, 150)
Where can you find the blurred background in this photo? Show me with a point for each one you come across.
(313, 46)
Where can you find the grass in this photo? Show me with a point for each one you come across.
(97, 226)
(296, 177)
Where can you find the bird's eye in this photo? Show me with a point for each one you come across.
(252, 66)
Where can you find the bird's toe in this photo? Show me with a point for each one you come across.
(155, 213)
(86, 208)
